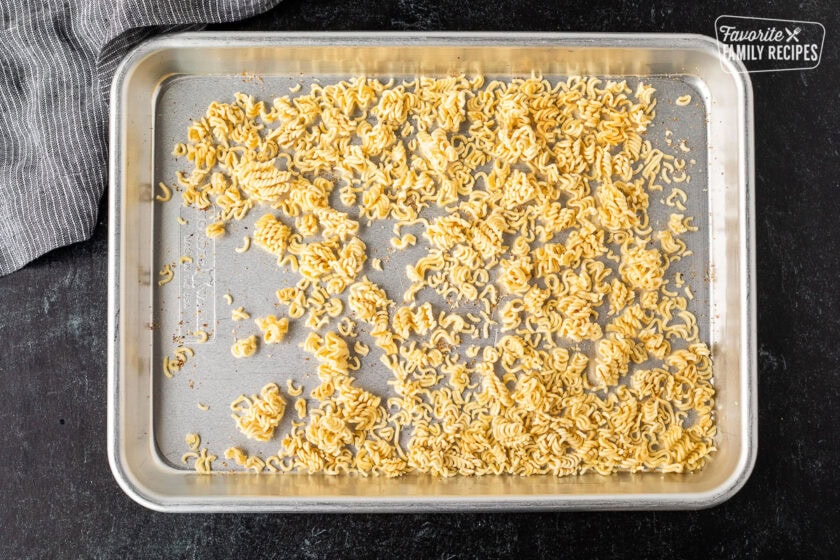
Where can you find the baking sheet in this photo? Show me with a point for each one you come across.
(195, 299)
(145, 435)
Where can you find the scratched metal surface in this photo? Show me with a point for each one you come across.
(195, 298)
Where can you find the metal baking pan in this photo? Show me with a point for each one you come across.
(167, 81)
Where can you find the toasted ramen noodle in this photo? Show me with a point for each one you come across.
(215, 230)
(246, 244)
(292, 389)
(166, 274)
(166, 193)
(244, 348)
(273, 329)
(300, 408)
(203, 460)
(259, 415)
(193, 441)
(239, 314)
(538, 331)
(237, 455)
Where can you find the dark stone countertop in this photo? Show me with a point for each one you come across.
(58, 495)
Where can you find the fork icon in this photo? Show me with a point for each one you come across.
(792, 35)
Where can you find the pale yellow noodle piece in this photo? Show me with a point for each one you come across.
(246, 244)
(273, 329)
(166, 193)
(292, 389)
(203, 460)
(215, 230)
(245, 347)
(300, 408)
(237, 455)
(258, 416)
(239, 314)
(166, 274)
(360, 348)
(193, 440)
(403, 242)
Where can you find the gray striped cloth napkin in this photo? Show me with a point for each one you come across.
(57, 59)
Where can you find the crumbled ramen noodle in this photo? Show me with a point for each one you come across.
(273, 329)
(245, 347)
(166, 274)
(216, 229)
(246, 244)
(530, 203)
(237, 455)
(292, 389)
(166, 193)
(259, 415)
(239, 314)
(193, 440)
(244, 460)
(173, 365)
(300, 407)
(203, 460)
